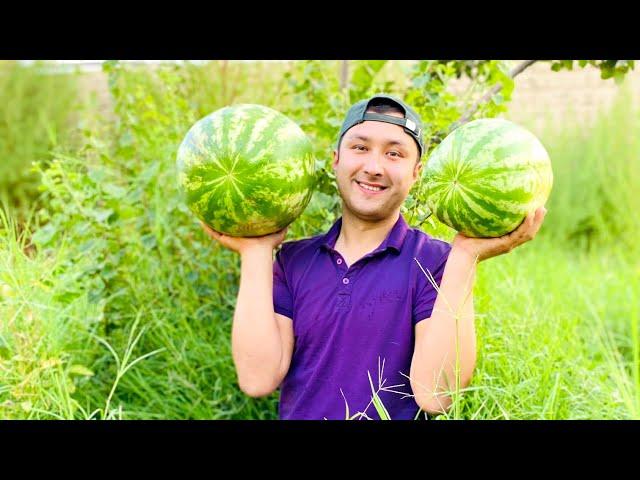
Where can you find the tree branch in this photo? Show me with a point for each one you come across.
(487, 96)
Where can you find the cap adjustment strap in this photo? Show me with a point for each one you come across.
(403, 122)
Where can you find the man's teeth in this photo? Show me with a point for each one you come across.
(367, 187)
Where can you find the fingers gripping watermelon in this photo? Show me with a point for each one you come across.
(485, 177)
(246, 170)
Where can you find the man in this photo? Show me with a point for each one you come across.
(354, 311)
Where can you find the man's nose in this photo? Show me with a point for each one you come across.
(373, 164)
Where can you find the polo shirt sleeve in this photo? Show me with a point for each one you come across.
(282, 298)
(426, 293)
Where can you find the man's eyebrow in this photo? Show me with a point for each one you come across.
(358, 137)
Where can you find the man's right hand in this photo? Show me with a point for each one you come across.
(244, 244)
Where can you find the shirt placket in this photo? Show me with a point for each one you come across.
(345, 286)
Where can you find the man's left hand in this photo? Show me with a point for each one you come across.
(483, 248)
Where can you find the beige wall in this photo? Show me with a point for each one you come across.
(541, 92)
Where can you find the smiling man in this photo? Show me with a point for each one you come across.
(357, 306)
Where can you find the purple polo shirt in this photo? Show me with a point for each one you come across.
(348, 322)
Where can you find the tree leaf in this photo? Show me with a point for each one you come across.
(80, 370)
(114, 190)
(44, 235)
(101, 214)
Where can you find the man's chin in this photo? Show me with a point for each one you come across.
(371, 214)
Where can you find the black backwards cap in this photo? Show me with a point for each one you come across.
(411, 122)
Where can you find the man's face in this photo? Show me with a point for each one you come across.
(375, 169)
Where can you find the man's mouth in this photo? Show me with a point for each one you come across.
(371, 188)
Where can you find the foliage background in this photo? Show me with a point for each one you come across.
(113, 303)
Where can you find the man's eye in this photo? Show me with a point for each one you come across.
(359, 147)
(395, 154)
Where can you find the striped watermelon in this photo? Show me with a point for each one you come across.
(246, 170)
(485, 177)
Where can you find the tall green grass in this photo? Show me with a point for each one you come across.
(45, 344)
(36, 113)
(557, 335)
(594, 202)
(118, 306)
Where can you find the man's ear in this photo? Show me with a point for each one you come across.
(417, 169)
(335, 159)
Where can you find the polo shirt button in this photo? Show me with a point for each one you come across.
(345, 281)
(339, 261)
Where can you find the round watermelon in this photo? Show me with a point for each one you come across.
(485, 177)
(246, 170)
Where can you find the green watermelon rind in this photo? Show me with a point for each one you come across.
(246, 170)
(486, 176)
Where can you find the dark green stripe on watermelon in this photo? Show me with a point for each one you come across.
(485, 176)
(261, 179)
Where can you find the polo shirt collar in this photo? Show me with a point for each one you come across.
(394, 239)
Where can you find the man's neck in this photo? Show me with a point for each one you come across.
(361, 236)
